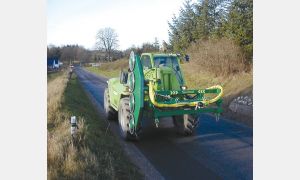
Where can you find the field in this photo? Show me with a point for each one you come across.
(93, 153)
(110, 69)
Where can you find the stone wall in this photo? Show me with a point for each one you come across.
(242, 105)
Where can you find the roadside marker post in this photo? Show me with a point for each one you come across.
(74, 126)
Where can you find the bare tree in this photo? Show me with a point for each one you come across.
(107, 39)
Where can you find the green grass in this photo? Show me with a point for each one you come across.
(111, 69)
(96, 154)
(102, 72)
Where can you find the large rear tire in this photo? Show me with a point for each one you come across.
(124, 118)
(110, 113)
(185, 124)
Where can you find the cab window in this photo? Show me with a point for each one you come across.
(146, 62)
(169, 61)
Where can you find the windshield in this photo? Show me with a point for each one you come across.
(166, 61)
(169, 61)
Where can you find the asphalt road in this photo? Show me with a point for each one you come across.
(217, 150)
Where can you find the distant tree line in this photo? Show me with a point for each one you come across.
(75, 53)
(206, 19)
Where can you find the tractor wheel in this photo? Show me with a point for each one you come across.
(185, 124)
(110, 113)
(124, 117)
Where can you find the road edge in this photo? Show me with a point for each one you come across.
(135, 155)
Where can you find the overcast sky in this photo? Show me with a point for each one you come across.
(135, 21)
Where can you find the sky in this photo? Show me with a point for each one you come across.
(135, 21)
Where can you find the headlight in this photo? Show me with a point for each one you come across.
(183, 87)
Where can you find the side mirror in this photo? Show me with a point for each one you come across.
(180, 58)
(123, 77)
(187, 58)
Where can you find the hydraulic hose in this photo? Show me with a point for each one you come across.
(206, 102)
(180, 104)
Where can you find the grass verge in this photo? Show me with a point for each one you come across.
(240, 84)
(93, 154)
(53, 75)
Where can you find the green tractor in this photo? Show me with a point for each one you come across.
(154, 87)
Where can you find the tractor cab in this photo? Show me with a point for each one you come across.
(166, 69)
(150, 60)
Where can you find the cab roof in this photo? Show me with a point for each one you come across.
(160, 54)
